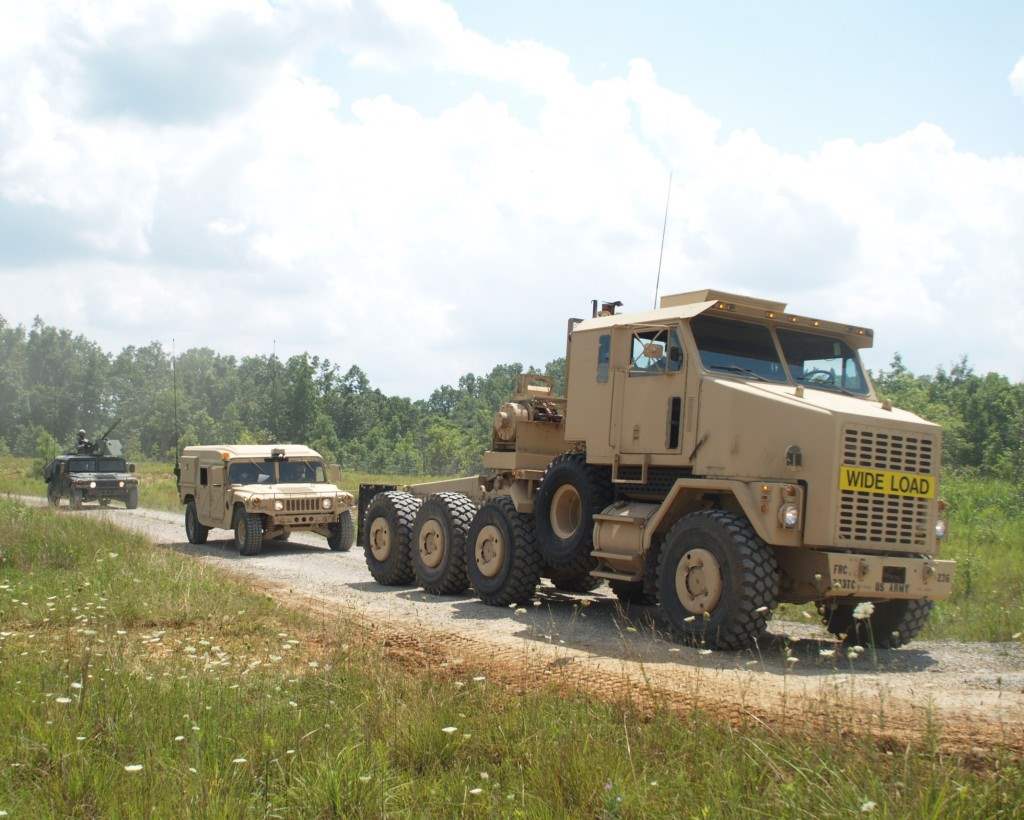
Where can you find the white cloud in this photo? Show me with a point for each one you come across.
(174, 160)
(1017, 78)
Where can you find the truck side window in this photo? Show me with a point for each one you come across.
(655, 351)
(203, 479)
(604, 354)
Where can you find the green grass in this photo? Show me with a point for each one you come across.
(986, 539)
(112, 650)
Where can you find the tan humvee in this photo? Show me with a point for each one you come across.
(717, 456)
(262, 492)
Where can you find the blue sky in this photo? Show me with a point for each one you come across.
(384, 182)
(800, 73)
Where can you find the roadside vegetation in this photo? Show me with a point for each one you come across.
(986, 539)
(136, 681)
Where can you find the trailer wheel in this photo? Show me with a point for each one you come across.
(343, 534)
(502, 558)
(439, 543)
(579, 582)
(892, 624)
(248, 532)
(388, 527)
(194, 531)
(570, 494)
(717, 581)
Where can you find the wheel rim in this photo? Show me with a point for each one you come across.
(699, 581)
(380, 539)
(489, 550)
(431, 543)
(566, 511)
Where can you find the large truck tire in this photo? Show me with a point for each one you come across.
(891, 625)
(248, 533)
(503, 560)
(343, 533)
(717, 582)
(194, 531)
(132, 498)
(75, 499)
(439, 543)
(570, 494)
(53, 496)
(388, 526)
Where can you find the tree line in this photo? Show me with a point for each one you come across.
(53, 382)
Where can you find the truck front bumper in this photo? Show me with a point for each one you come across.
(882, 577)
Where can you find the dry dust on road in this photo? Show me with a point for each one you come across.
(968, 696)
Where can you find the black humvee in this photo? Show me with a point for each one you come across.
(92, 471)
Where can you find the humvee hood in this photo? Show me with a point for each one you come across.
(287, 489)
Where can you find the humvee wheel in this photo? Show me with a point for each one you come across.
(388, 522)
(194, 531)
(53, 497)
(570, 494)
(579, 582)
(892, 624)
(248, 533)
(502, 558)
(75, 499)
(132, 499)
(439, 543)
(343, 534)
(717, 581)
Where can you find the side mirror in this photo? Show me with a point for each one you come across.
(131, 468)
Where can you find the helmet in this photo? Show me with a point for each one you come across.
(81, 433)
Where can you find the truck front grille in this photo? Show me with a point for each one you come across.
(885, 520)
(301, 505)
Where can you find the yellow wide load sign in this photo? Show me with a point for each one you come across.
(887, 482)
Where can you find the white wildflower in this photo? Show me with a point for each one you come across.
(703, 651)
(476, 791)
(239, 760)
(827, 653)
(450, 730)
(179, 738)
(479, 679)
(364, 778)
(867, 806)
(761, 609)
(133, 767)
(62, 700)
(863, 610)
(792, 659)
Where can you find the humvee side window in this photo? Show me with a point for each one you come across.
(604, 354)
(655, 351)
(203, 479)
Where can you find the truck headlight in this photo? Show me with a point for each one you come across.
(278, 506)
(789, 516)
(326, 503)
(940, 529)
(120, 484)
(92, 485)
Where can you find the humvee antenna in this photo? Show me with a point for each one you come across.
(664, 228)
(174, 389)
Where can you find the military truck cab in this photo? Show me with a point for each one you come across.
(716, 456)
(262, 492)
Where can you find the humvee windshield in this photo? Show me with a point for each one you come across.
(302, 472)
(247, 472)
(97, 465)
(731, 346)
(822, 362)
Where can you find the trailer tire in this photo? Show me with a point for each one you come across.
(717, 580)
(194, 531)
(343, 533)
(439, 543)
(893, 623)
(569, 495)
(388, 527)
(503, 560)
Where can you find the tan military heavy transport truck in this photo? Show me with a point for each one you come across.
(262, 492)
(716, 456)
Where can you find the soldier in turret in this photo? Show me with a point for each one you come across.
(83, 445)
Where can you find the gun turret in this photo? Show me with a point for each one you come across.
(109, 431)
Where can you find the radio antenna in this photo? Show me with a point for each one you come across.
(664, 228)
(177, 435)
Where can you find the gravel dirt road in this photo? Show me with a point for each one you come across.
(967, 697)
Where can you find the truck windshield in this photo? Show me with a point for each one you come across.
(823, 362)
(110, 465)
(247, 472)
(82, 465)
(730, 346)
(302, 472)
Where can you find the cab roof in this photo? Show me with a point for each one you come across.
(250, 451)
(730, 305)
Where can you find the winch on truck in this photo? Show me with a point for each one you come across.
(716, 456)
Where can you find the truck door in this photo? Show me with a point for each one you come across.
(649, 392)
